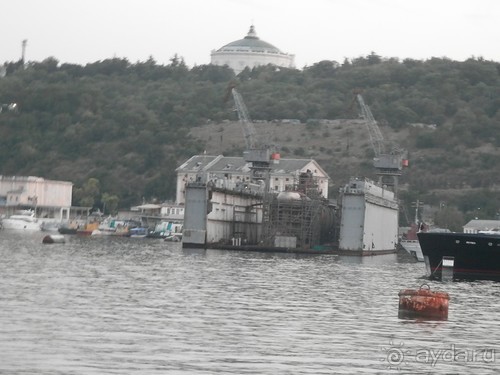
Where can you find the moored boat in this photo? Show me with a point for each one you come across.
(115, 227)
(67, 229)
(165, 229)
(138, 232)
(412, 247)
(50, 226)
(411, 244)
(470, 256)
(174, 237)
(409, 241)
(22, 220)
(87, 228)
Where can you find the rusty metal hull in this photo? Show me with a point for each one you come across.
(423, 303)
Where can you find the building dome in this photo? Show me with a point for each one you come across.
(250, 52)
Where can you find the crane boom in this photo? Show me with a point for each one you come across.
(376, 137)
(388, 164)
(258, 153)
(247, 125)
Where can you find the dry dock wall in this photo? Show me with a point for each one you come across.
(369, 219)
(195, 216)
(234, 215)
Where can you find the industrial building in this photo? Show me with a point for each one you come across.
(48, 198)
(234, 172)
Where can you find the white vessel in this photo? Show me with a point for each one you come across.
(412, 247)
(22, 220)
(410, 242)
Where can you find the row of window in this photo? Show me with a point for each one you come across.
(175, 211)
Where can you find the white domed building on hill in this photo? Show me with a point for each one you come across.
(250, 52)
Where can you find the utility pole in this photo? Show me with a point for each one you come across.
(23, 50)
(417, 205)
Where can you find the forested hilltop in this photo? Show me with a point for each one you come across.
(118, 130)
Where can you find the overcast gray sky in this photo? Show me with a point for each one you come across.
(85, 31)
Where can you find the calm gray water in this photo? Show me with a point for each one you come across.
(99, 305)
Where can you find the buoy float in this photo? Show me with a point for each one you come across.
(53, 238)
(423, 303)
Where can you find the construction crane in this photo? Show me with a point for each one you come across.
(247, 124)
(257, 153)
(389, 164)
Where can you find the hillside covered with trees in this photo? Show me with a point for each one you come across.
(118, 130)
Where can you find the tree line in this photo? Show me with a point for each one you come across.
(127, 124)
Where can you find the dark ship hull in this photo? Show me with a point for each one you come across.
(473, 256)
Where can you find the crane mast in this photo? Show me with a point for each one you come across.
(257, 153)
(247, 125)
(376, 137)
(389, 165)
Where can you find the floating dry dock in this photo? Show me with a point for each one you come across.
(364, 220)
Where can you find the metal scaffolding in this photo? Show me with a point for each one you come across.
(292, 218)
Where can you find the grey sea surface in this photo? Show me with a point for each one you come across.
(109, 305)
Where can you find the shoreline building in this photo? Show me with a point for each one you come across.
(47, 198)
(233, 172)
(251, 51)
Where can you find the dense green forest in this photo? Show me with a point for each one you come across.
(124, 127)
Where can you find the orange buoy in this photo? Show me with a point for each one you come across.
(423, 303)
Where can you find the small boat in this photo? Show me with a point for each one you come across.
(87, 228)
(50, 226)
(65, 229)
(138, 232)
(165, 229)
(22, 220)
(469, 256)
(115, 227)
(173, 237)
(410, 243)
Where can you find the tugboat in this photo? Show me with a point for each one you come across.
(410, 244)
